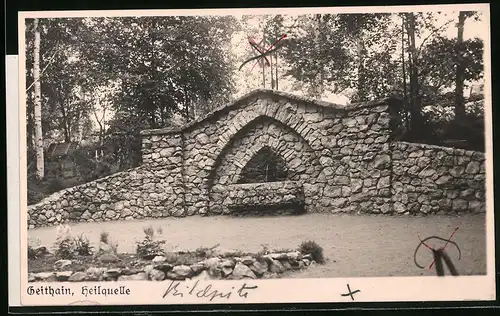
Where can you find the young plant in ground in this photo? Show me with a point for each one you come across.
(104, 238)
(65, 248)
(149, 231)
(82, 246)
(312, 248)
(65, 244)
(260, 255)
(32, 254)
(148, 246)
(159, 230)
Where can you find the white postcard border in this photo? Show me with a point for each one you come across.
(282, 290)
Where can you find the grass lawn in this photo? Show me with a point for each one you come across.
(354, 245)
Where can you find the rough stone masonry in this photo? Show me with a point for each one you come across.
(336, 159)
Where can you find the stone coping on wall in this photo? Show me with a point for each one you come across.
(269, 93)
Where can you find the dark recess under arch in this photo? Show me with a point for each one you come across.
(264, 166)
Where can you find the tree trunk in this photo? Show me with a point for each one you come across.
(67, 137)
(415, 111)
(263, 74)
(30, 144)
(459, 79)
(271, 71)
(319, 89)
(81, 118)
(37, 103)
(360, 47)
(405, 89)
(276, 67)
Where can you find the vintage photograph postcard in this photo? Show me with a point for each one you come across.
(278, 155)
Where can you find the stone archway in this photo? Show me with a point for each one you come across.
(265, 133)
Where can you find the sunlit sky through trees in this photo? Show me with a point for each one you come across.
(247, 80)
(250, 26)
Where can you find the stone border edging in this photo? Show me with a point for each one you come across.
(214, 268)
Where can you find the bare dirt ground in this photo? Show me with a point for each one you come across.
(354, 245)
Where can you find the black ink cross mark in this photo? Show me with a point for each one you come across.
(350, 292)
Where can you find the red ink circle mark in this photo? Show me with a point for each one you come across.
(439, 254)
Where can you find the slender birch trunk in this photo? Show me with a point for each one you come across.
(40, 162)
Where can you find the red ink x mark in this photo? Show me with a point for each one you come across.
(258, 48)
(446, 244)
(261, 50)
(440, 253)
(447, 241)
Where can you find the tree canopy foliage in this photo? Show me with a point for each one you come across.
(404, 55)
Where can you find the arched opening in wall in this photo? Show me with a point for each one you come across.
(264, 166)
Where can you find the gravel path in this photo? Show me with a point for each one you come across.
(354, 245)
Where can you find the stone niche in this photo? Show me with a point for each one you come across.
(270, 149)
(264, 166)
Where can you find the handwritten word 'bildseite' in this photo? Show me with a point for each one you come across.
(175, 288)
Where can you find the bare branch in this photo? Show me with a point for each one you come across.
(432, 33)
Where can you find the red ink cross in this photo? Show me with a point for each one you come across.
(447, 241)
(262, 50)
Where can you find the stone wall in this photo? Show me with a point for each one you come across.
(361, 170)
(432, 179)
(342, 156)
(152, 190)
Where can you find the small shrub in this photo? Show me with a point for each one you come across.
(264, 251)
(32, 254)
(104, 237)
(312, 248)
(66, 248)
(65, 244)
(148, 246)
(149, 231)
(159, 230)
(82, 246)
